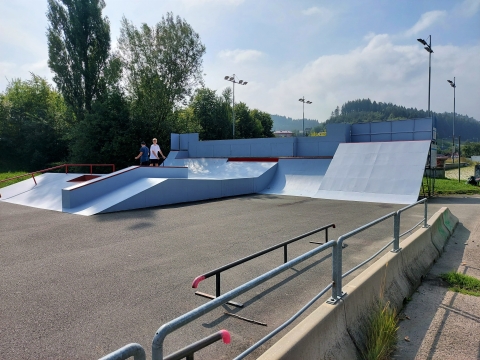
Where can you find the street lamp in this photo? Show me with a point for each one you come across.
(233, 81)
(428, 47)
(452, 84)
(304, 102)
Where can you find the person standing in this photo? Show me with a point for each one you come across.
(143, 155)
(155, 153)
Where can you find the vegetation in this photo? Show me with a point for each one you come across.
(382, 333)
(462, 283)
(105, 103)
(450, 186)
(78, 50)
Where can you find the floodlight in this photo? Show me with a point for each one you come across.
(422, 41)
(428, 49)
(309, 102)
(240, 81)
(226, 77)
(245, 83)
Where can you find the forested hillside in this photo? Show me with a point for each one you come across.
(286, 123)
(365, 110)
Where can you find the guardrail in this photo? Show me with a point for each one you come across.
(138, 353)
(58, 167)
(335, 285)
(219, 270)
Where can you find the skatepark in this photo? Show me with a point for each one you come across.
(87, 285)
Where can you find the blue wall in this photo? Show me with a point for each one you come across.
(400, 130)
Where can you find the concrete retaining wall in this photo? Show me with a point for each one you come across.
(339, 331)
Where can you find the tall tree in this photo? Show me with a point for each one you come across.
(33, 125)
(265, 120)
(78, 50)
(163, 66)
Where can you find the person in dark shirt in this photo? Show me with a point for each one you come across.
(143, 155)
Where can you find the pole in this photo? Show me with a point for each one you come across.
(454, 86)
(429, 75)
(459, 158)
(233, 109)
(303, 122)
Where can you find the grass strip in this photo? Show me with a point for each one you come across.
(382, 333)
(462, 283)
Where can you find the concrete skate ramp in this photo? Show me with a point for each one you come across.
(384, 172)
(298, 177)
(142, 187)
(47, 194)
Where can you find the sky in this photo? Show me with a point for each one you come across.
(328, 52)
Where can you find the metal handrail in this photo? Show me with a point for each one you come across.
(164, 330)
(284, 244)
(133, 349)
(188, 351)
(284, 325)
(57, 167)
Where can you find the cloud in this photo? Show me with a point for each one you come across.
(319, 12)
(468, 8)
(379, 70)
(240, 56)
(426, 20)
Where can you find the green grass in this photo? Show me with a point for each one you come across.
(449, 187)
(10, 174)
(461, 283)
(382, 333)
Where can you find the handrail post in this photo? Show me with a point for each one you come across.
(285, 254)
(66, 168)
(217, 284)
(336, 272)
(425, 225)
(33, 177)
(396, 232)
(326, 235)
(91, 169)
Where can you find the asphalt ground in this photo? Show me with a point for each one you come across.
(75, 287)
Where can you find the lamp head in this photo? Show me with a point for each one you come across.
(245, 83)
(309, 102)
(429, 49)
(227, 77)
(422, 41)
(240, 82)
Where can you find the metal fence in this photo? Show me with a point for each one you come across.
(335, 285)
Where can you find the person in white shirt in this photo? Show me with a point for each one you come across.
(155, 153)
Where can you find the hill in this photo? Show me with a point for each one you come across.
(286, 123)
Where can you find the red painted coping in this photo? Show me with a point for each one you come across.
(258, 159)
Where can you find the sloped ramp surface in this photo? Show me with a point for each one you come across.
(384, 172)
(298, 177)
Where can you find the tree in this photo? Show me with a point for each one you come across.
(212, 114)
(265, 120)
(246, 127)
(78, 50)
(33, 125)
(163, 66)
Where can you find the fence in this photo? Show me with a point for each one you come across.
(218, 271)
(335, 285)
(32, 174)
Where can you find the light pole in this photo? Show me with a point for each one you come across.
(233, 81)
(304, 102)
(452, 84)
(428, 47)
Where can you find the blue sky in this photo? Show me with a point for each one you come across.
(329, 52)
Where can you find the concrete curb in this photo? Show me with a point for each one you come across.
(338, 331)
